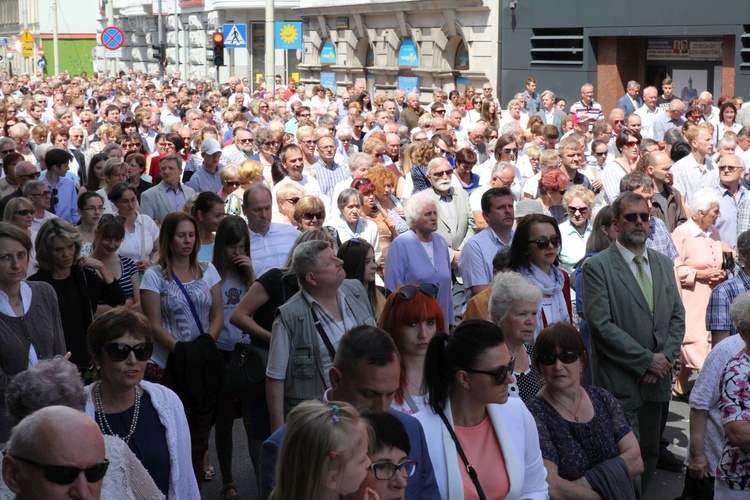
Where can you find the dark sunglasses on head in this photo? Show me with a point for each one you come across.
(313, 215)
(644, 216)
(111, 217)
(119, 351)
(501, 374)
(408, 292)
(566, 357)
(66, 474)
(544, 242)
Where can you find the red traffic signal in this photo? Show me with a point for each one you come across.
(218, 38)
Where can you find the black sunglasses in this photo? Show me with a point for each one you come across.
(501, 374)
(66, 474)
(313, 215)
(119, 351)
(24, 212)
(544, 242)
(293, 200)
(644, 216)
(111, 217)
(234, 184)
(408, 292)
(566, 357)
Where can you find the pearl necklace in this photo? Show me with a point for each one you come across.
(102, 418)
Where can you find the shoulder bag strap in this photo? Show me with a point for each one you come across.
(190, 303)
(469, 468)
(410, 402)
(323, 335)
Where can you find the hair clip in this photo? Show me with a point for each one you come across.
(332, 454)
(335, 418)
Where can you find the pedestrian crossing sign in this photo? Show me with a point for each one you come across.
(235, 36)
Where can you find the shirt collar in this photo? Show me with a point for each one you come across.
(629, 255)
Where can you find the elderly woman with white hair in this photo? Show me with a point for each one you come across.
(420, 255)
(699, 266)
(514, 305)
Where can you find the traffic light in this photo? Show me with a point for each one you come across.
(218, 49)
(159, 52)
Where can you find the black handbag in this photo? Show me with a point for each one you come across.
(697, 488)
(246, 372)
(727, 261)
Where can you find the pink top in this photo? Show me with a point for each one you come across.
(483, 451)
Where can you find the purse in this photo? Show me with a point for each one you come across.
(727, 261)
(246, 372)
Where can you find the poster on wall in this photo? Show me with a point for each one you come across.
(688, 83)
(408, 83)
(328, 53)
(407, 54)
(328, 80)
(683, 49)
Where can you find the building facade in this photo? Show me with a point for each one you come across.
(410, 44)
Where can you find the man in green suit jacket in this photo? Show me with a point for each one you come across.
(636, 329)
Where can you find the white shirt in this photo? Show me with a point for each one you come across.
(630, 259)
(647, 120)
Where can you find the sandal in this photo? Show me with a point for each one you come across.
(227, 487)
(680, 396)
(209, 473)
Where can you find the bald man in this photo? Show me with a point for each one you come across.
(60, 437)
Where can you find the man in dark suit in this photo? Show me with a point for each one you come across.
(366, 373)
(630, 101)
(636, 319)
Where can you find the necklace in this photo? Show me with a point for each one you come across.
(101, 418)
(575, 414)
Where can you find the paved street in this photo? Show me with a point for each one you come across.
(665, 485)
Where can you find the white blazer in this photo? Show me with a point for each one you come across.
(516, 432)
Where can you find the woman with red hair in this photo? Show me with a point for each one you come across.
(552, 186)
(412, 315)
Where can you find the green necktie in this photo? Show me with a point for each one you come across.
(643, 281)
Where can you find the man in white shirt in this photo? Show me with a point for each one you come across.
(270, 242)
(696, 170)
(649, 112)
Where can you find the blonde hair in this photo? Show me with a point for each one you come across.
(318, 439)
(248, 171)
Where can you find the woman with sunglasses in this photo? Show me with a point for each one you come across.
(310, 213)
(534, 254)
(30, 327)
(412, 315)
(287, 196)
(579, 203)
(141, 241)
(267, 148)
(470, 412)
(148, 417)
(91, 209)
(513, 306)
(56, 382)
(421, 254)
(229, 181)
(628, 143)
(588, 447)
(110, 232)
(208, 210)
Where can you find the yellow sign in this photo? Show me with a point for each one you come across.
(27, 37)
(27, 49)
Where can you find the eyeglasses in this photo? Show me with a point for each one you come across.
(293, 201)
(246, 141)
(603, 153)
(234, 184)
(501, 374)
(79, 108)
(66, 474)
(313, 215)
(408, 292)
(24, 212)
(385, 471)
(728, 167)
(271, 143)
(543, 242)
(619, 121)
(43, 193)
(566, 357)
(632, 217)
(309, 143)
(510, 150)
(6, 151)
(119, 351)
(442, 173)
(630, 144)
(581, 210)
(35, 175)
(305, 116)
(439, 111)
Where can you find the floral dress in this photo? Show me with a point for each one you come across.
(734, 403)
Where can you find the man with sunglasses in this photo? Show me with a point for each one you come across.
(25, 172)
(637, 321)
(55, 453)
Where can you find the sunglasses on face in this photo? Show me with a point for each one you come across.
(66, 474)
(234, 184)
(581, 210)
(510, 150)
(24, 212)
(501, 374)
(6, 151)
(644, 216)
(603, 153)
(293, 200)
(313, 215)
(35, 175)
(566, 357)
(543, 243)
(408, 292)
(442, 173)
(119, 351)
(246, 141)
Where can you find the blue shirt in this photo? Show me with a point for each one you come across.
(328, 177)
(65, 199)
(203, 180)
(717, 312)
(660, 239)
(727, 223)
(476, 257)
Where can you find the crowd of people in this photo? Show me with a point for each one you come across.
(401, 295)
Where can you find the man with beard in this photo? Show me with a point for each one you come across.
(475, 261)
(637, 322)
